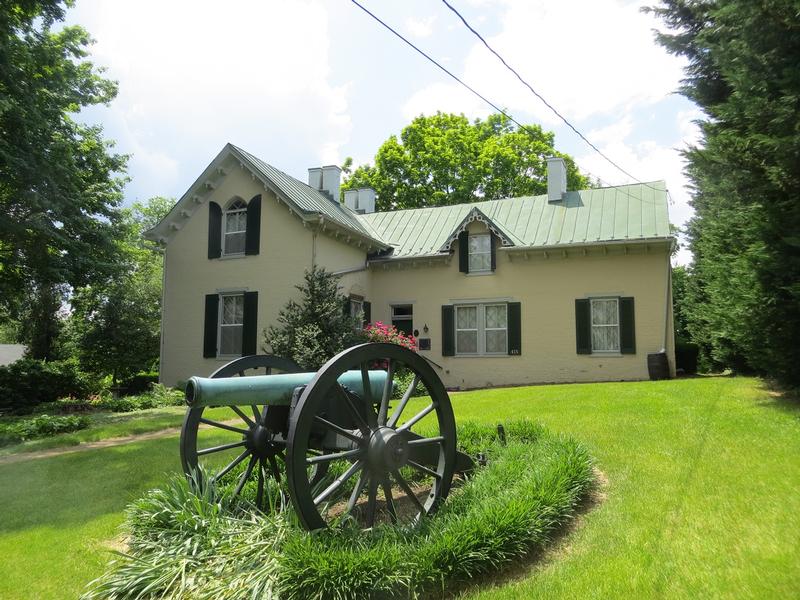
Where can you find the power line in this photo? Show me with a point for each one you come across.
(505, 113)
(535, 93)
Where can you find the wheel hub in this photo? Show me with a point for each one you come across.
(387, 449)
(259, 441)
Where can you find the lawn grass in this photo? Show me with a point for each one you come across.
(106, 425)
(702, 496)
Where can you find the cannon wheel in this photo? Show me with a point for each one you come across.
(258, 447)
(374, 448)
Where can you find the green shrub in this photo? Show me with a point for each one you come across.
(159, 396)
(139, 383)
(686, 354)
(39, 427)
(27, 383)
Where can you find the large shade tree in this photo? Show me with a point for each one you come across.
(744, 285)
(446, 159)
(59, 180)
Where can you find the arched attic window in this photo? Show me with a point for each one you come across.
(234, 227)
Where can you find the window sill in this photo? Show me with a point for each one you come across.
(498, 355)
(228, 357)
(606, 354)
(479, 273)
(232, 256)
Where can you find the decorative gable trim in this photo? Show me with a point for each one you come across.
(476, 215)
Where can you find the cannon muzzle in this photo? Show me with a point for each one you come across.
(272, 390)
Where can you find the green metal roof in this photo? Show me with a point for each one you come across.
(622, 213)
(303, 196)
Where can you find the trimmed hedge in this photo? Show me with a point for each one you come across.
(28, 382)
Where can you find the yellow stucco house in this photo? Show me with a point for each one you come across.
(564, 287)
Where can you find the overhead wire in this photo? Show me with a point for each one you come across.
(504, 112)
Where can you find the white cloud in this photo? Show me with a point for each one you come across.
(421, 27)
(194, 75)
(585, 58)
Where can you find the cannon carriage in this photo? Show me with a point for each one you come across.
(347, 442)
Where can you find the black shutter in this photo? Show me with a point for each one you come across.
(214, 231)
(463, 252)
(514, 328)
(493, 246)
(346, 306)
(448, 331)
(252, 237)
(250, 323)
(583, 326)
(210, 326)
(627, 329)
(367, 313)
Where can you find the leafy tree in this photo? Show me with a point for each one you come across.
(745, 280)
(317, 327)
(59, 183)
(444, 159)
(116, 324)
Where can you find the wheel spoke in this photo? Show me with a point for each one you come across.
(366, 391)
(231, 465)
(387, 492)
(354, 412)
(406, 395)
(256, 413)
(351, 503)
(260, 491)
(219, 448)
(372, 500)
(243, 416)
(416, 418)
(338, 482)
(245, 476)
(387, 392)
(424, 469)
(223, 426)
(423, 441)
(407, 489)
(276, 473)
(340, 430)
(335, 456)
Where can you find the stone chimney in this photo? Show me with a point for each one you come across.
(556, 179)
(326, 180)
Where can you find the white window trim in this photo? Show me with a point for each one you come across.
(225, 227)
(481, 328)
(220, 312)
(592, 325)
(470, 254)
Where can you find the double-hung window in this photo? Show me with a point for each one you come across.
(480, 253)
(234, 228)
(403, 318)
(481, 329)
(231, 324)
(605, 324)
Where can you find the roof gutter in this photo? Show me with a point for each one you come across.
(598, 243)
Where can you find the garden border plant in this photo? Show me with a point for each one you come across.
(199, 542)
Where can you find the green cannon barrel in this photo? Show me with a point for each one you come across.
(273, 390)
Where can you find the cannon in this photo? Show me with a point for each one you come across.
(346, 443)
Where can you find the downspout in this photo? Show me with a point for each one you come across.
(667, 296)
(163, 305)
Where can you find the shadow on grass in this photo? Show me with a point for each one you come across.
(73, 489)
(525, 566)
(780, 399)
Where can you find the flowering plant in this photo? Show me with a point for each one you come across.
(380, 332)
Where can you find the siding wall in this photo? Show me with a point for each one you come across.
(547, 289)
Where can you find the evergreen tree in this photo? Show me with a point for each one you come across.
(745, 281)
(317, 327)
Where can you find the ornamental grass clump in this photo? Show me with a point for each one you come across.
(198, 541)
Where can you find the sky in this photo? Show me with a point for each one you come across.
(302, 83)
